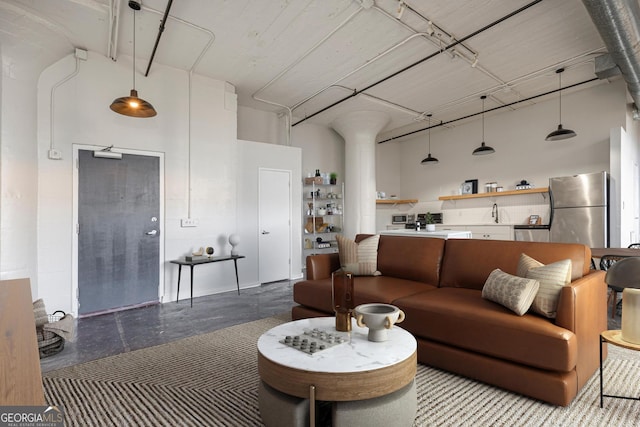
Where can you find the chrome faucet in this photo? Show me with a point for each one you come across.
(494, 212)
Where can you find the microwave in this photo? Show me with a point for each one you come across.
(403, 218)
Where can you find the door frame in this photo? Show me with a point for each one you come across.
(74, 249)
(290, 226)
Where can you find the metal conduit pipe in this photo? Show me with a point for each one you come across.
(618, 22)
(472, 62)
(114, 24)
(428, 57)
(296, 62)
(366, 64)
(415, 34)
(212, 37)
(487, 111)
(160, 31)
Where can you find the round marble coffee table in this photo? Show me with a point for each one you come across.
(357, 370)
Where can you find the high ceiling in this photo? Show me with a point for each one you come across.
(407, 58)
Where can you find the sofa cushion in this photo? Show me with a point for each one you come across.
(513, 292)
(468, 262)
(552, 277)
(411, 258)
(316, 294)
(462, 318)
(359, 258)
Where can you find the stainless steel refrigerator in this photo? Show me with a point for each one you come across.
(579, 209)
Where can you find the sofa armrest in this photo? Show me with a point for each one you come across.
(321, 266)
(582, 309)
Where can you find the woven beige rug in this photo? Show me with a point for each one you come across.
(211, 380)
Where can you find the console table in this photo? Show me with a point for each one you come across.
(209, 260)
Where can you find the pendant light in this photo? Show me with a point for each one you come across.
(560, 133)
(429, 160)
(132, 105)
(483, 148)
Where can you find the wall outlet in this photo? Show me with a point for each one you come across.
(189, 222)
(55, 154)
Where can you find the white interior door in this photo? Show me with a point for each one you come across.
(274, 224)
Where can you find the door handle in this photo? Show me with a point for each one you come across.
(151, 233)
(265, 232)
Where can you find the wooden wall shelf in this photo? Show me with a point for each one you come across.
(496, 194)
(396, 201)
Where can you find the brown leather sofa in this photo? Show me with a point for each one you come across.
(438, 284)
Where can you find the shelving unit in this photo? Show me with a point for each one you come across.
(317, 224)
(541, 190)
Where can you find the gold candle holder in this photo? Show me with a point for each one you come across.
(342, 299)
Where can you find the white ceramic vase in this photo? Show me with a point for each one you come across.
(378, 318)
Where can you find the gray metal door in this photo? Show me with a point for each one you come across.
(118, 231)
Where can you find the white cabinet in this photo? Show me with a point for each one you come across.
(323, 208)
(489, 232)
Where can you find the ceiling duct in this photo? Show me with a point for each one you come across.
(618, 22)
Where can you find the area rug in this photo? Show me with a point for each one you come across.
(211, 380)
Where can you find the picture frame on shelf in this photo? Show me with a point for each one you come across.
(473, 184)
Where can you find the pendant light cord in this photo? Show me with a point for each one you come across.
(134, 49)
(560, 93)
(429, 134)
(483, 98)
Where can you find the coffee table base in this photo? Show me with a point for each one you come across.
(399, 408)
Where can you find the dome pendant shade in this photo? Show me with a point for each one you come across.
(483, 149)
(560, 134)
(133, 106)
(429, 160)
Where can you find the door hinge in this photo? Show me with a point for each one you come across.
(77, 228)
(77, 163)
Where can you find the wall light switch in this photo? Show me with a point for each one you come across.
(189, 222)
(55, 154)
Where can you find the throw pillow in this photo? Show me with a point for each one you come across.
(552, 277)
(40, 313)
(525, 263)
(360, 259)
(513, 292)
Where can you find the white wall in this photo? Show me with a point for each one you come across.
(259, 126)
(322, 148)
(253, 156)
(18, 169)
(521, 153)
(204, 151)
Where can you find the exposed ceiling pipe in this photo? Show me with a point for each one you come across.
(428, 57)
(160, 31)
(114, 24)
(499, 107)
(297, 61)
(618, 22)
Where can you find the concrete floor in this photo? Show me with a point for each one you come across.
(123, 331)
(119, 332)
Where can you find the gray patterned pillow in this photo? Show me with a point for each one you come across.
(513, 292)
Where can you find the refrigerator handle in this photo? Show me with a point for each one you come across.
(550, 207)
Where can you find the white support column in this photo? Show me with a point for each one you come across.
(359, 130)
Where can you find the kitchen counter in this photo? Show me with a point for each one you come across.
(441, 234)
